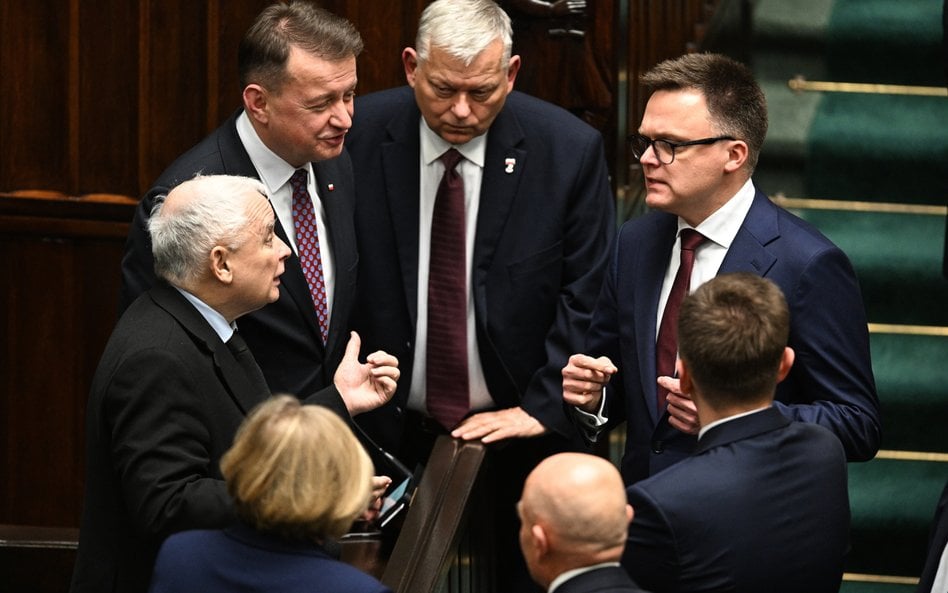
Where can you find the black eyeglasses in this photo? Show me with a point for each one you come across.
(665, 149)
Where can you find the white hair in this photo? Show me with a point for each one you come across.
(182, 239)
(463, 28)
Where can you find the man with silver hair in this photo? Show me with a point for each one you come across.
(482, 297)
(176, 380)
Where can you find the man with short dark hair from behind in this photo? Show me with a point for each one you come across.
(762, 504)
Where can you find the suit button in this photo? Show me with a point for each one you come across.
(658, 447)
(399, 412)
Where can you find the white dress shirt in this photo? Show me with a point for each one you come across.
(275, 174)
(720, 229)
(471, 169)
(214, 319)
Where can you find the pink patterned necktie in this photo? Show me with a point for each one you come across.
(307, 244)
(666, 348)
(447, 393)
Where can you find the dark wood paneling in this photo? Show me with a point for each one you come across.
(106, 110)
(34, 44)
(173, 82)
(58, 259)
(386, 28)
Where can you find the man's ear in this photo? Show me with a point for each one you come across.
(629, 513)
(512, 69)
(255, 103)
(220, 264)
(540, 540)
(786, 362)
(737, 156)
(410, 61)
(684, 377)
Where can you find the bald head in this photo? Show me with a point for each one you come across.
(574, 513)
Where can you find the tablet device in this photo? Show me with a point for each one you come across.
(398, 494)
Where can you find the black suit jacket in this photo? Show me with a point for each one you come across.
(831, 382)
(609, 579)
(165, 403)
(761, 506)
(543, 233)
(283, 336)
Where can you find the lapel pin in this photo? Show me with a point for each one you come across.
(331, 186)
(509, 165)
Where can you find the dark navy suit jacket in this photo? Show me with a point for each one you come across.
(283, 336)
(831, 381)
(242, 559)
(761, 506)
(542, 243)
(609, 579)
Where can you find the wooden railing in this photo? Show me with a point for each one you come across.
(435, 541)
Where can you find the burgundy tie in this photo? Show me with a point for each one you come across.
(446, 365)
(666, 349)
(307, 244)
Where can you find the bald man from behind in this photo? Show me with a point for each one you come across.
(573, 525)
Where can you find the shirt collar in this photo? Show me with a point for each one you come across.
(576, 572)
(722, 226)
(433, 146)
(214, 319)
(274, 171)
(720, 421)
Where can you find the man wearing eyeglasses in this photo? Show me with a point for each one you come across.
(698, 144)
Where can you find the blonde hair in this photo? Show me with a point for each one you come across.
(297, 471)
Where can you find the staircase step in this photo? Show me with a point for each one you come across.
(893, 504)
(887, 41)
(872, 41)
(910, 372)
(875, 587)
(898, 259)
(886, 148)
(871, 147)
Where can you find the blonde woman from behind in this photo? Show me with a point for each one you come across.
(298, 477)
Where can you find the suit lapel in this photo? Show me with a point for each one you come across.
(748, 252)
(206, 339)
(504, 163)
(338, 198)
(401, 172)
(653, 256)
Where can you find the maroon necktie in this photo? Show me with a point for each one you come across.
(666, 349)
(446, 365)
(307, 245)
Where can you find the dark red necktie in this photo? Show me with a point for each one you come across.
(307, 245)
(446, 365)
(666, 348)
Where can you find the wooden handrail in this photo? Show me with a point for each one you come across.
(434, 526)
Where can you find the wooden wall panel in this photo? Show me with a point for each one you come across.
(34, 60)
(58, 259)
(105, 108)
(386, 28)
(173, 86)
